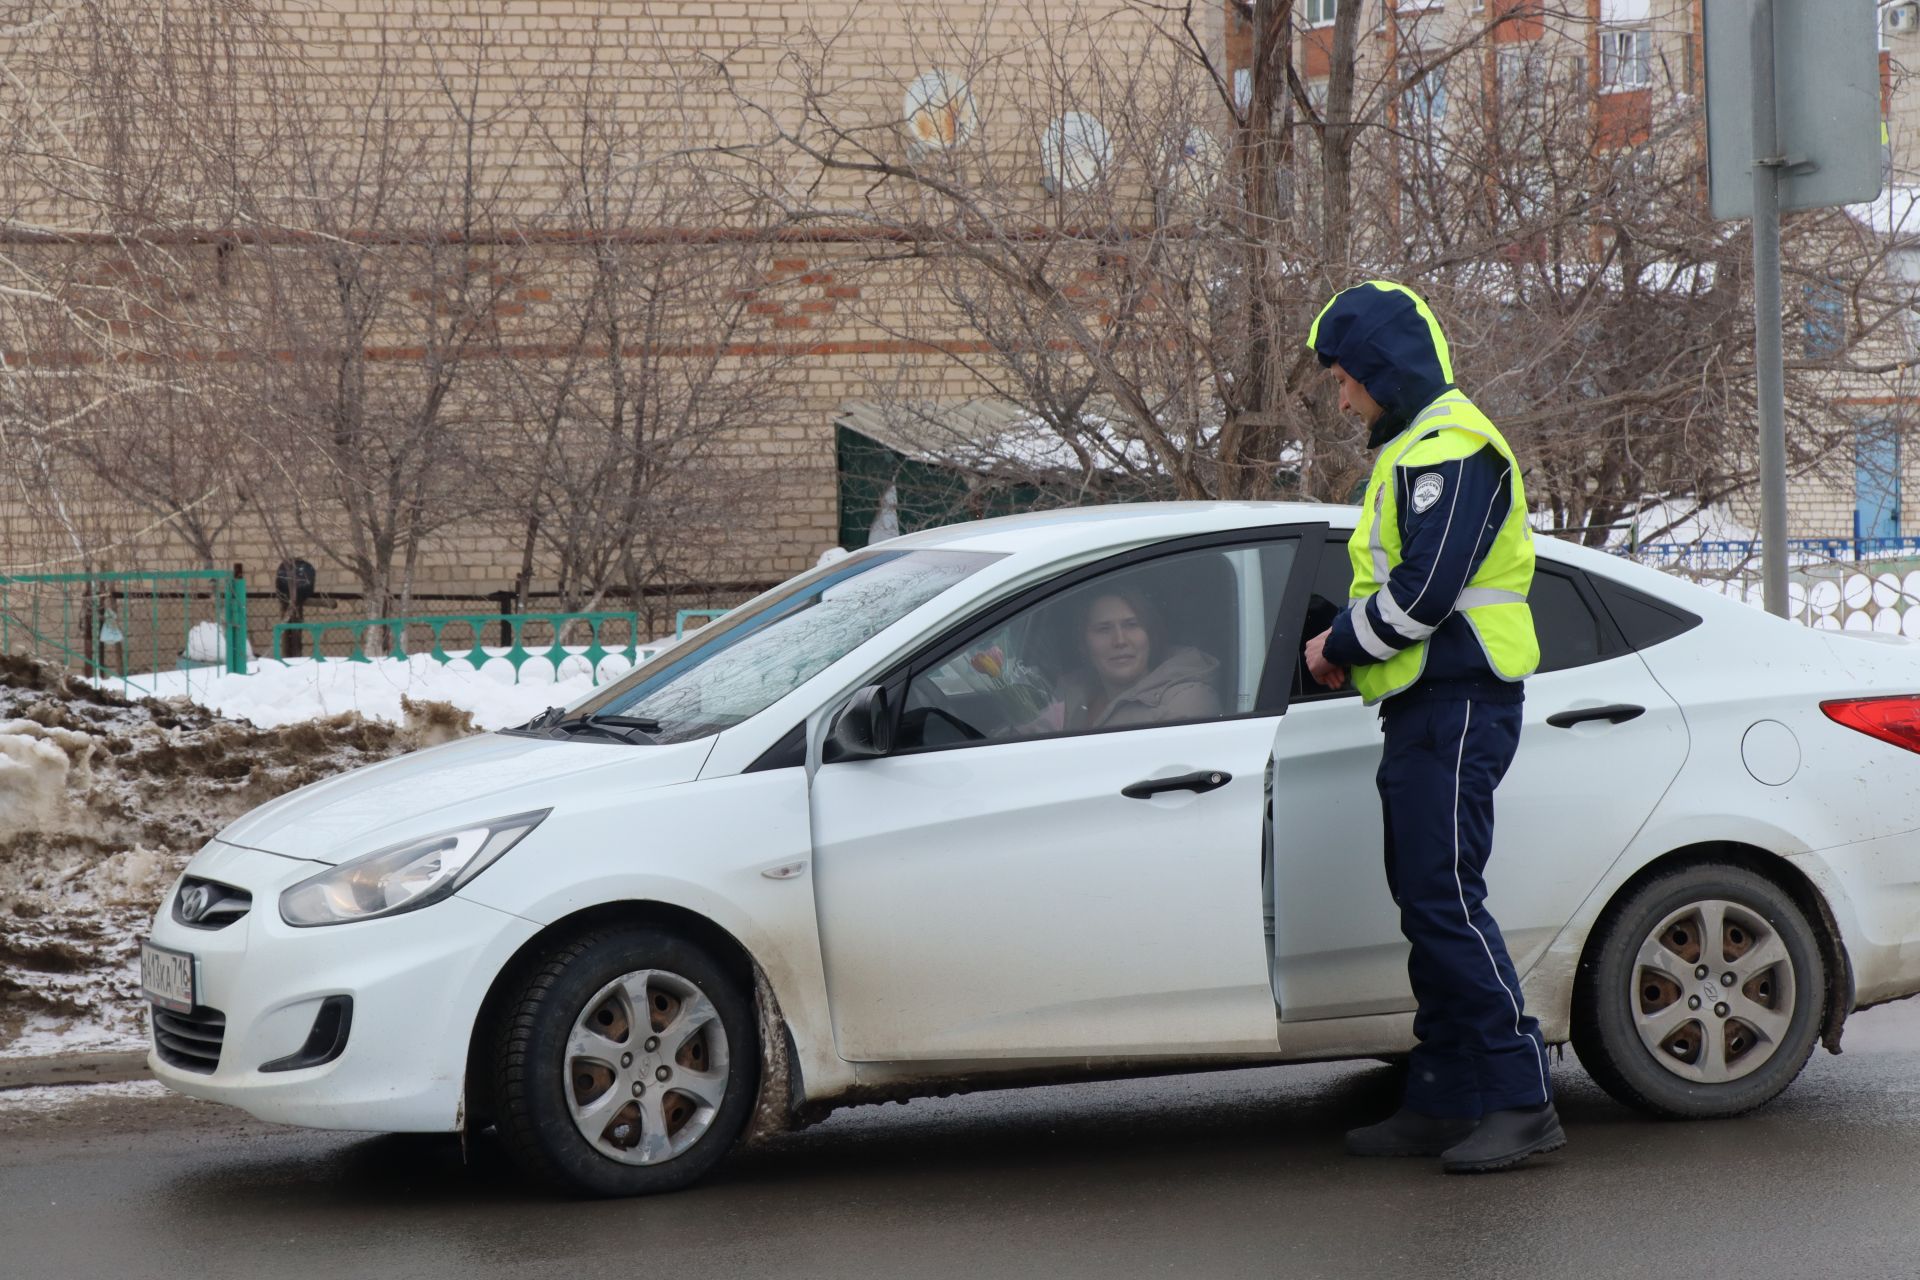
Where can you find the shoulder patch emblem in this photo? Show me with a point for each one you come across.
(1427, 490)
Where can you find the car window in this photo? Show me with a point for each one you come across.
(1643, 621)
(1332, 579)
(751, 658)
(1571, 633)
(1171, 640)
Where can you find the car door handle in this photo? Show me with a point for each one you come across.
(1205, 780)
(1615, 714)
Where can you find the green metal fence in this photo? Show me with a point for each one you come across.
(683, 616)
(524, 637)
(124, 625)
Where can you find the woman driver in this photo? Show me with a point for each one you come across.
(1129, 677)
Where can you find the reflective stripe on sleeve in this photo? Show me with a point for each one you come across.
(1378, 649)
(1399, 619)
(1376, 545)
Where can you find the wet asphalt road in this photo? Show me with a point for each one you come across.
(1234, 1174)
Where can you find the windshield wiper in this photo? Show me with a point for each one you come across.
(637, 729)
(644, 724)
(588, 726)
(545, 720)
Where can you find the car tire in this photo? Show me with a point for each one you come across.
(1661, 1035)
(658, 1121)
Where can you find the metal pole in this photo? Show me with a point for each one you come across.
(1767, 163)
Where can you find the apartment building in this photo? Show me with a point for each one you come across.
(830, 323)
(1627, 66)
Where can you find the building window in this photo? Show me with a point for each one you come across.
(1826, 322)
(1424, 102)
(1626, 59)
(1520, 79)
(1408, 10)
(1876, 482)
(1320, 12)
(1625, 13)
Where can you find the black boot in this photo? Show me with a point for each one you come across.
(1504, 1139)
(1408, 1133)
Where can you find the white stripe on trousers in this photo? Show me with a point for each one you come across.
(1539, 1046)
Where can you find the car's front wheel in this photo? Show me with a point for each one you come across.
(1700, 994)
(625, 1064)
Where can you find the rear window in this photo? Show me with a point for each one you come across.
(1643, 620)
(1571, 634)
(1571, 626)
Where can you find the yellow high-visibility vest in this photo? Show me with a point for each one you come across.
(1495, 600)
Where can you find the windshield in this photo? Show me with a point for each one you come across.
(752, 658)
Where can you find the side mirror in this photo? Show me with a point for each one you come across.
(862, 730)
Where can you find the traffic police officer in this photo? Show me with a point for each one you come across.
(1439, 634)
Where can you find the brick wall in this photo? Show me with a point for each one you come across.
(835, 319)
(838, 320)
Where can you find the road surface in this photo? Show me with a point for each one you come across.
(1231, 1174)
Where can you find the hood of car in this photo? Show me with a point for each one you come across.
(470, 781)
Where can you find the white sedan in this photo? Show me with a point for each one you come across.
(1037, 798)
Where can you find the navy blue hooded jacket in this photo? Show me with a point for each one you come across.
(1383, 338)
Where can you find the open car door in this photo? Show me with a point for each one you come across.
(1600, 743)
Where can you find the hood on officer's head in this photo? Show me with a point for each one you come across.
(1386, 337)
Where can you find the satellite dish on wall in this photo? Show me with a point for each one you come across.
(1075, 152)
(939, 112)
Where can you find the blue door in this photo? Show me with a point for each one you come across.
(1876, 482)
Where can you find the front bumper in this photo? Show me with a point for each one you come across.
(416, 981)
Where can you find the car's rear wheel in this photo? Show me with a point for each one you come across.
(625, 1064)
(1701, 994)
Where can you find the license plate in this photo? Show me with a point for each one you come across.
(166, 977)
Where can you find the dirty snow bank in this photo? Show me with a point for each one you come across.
(102, 800)
(59, 1097)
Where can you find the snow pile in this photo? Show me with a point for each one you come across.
(275, 693)
(59, 1097)
(102, 800)
(1682, 522)
(36, 762)
(207, 642)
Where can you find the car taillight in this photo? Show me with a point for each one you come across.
(1895, 719)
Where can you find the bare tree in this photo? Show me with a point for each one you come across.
(626, 427)
(1196, 194)
(386, 254)
(122, 149)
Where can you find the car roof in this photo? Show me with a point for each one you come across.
(1069, 529)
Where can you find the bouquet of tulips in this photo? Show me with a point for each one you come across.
(1027, 703)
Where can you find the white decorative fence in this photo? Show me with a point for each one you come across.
(1878, 592)
(1848, 598)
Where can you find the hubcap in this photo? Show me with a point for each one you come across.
(646, 1067)
(1712, 992)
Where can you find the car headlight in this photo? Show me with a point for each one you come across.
(404, 877)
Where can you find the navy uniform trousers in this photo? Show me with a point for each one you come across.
(1478, 1050)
